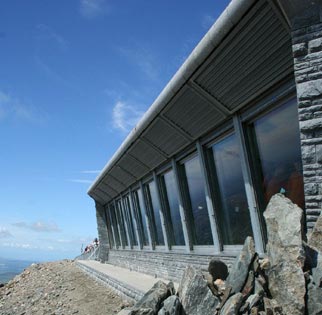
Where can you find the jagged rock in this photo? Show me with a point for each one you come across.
(196, 298)
(218, 269)
(232, 305)
(314, 303)
(249, 285)
(286, 254)
(259, 289)
(152, 299)
(315, 239)
(253, 299)
(171, 306)
(314, 264)
(142, 311)
(211, 285)
(239, 271)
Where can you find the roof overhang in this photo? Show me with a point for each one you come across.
(245, 52)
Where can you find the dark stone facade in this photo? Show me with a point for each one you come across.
(307, 50)
(102, 233)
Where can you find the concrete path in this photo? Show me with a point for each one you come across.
(129, 284)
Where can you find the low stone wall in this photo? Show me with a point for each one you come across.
(163, 265)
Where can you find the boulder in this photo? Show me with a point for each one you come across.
(151, 301)
(315, 239)
(195, 296)
(239, 271)
(171, 306)
(232, 305)
(314, 301)
(286, 254)
(218, 269)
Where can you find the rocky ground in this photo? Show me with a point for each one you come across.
(57, 288)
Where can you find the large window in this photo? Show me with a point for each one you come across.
(170, 194)
(154, 207)
(141, 217)
(121, 221)
(197, 206)
(130, 220)
(109, 228)
(276, 154)
(114, 225)
(232, 208)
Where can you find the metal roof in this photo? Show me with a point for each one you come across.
(245, 52)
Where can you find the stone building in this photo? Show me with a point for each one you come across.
(240, 121)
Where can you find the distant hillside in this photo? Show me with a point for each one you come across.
(10, 268)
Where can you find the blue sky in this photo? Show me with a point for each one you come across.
(75, 77)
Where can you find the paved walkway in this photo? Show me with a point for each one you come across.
(124, 277)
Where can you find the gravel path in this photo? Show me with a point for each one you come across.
(57, 288)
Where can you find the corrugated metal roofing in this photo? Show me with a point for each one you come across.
(251, 52)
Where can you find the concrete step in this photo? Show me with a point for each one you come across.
(130, 285)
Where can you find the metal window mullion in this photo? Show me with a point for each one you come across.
(118, 224)
(112, 226)
(161, 211)
(135, 218)
(249, 188)
(210, 205)
(125, 219)
(146, 215)
(181, 207)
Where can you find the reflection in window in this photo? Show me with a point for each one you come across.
(173, 203)
(139, 208)
(278, 143)
(233, 214)
(121, 221)
(129, 220)
(155, 212)
(115, 225)
(200, 219)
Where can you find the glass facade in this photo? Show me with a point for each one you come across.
(130, 221)
(199, 218)
(154, 207)
(276, 139)
(232, 207)
(171, 196)
(141, 218)
(272, 141)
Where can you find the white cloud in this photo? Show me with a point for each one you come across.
(90, 9)
(141, 56)
(4, 233)
(13, 108)
(91, 172)
(38, 226)
(45, 32)
(19, 245)
(125, 116)
(80, 181)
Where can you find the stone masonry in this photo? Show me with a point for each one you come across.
(307, 52)
(102, 233)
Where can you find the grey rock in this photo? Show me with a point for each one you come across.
(218, 269)
(232, 305)
(309, 89)
(314, 302)
(253, 299)
(239, 271)
(314, 264)
(286, 254)
(152, 299)
(171, 306)
(315, 239)
(195, 296)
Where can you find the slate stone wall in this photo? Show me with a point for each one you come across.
(161, 264)
(307, 51)
(102, 233)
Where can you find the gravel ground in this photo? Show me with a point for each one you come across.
(57, 288)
